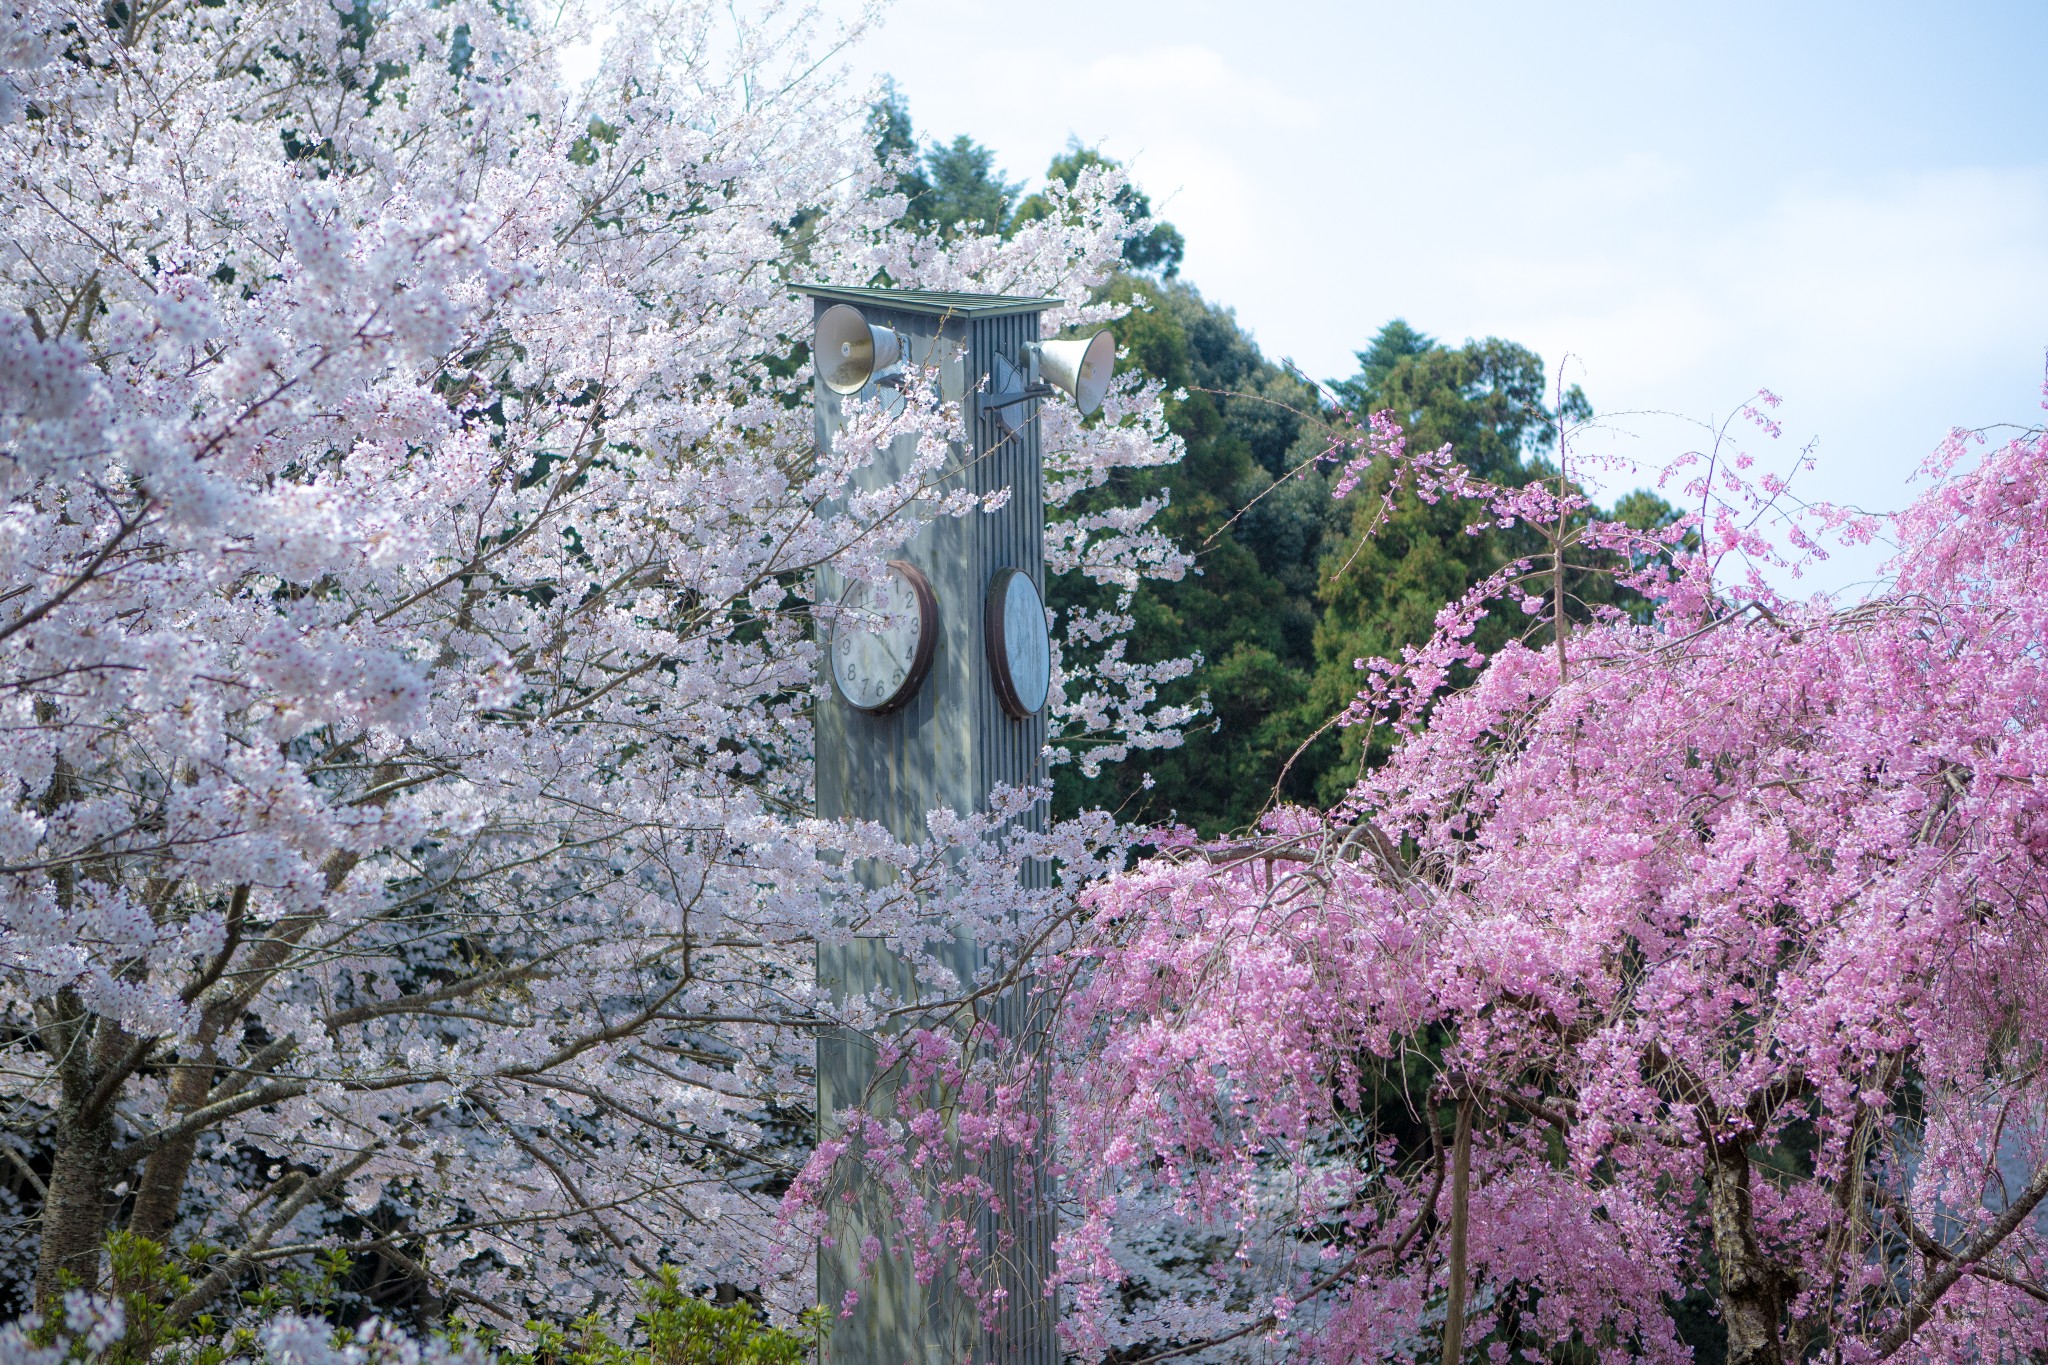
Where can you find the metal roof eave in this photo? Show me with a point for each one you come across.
(934, 302)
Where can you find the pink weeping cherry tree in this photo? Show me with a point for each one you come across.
(1705, 952)
(408, 497)
(1682, 975)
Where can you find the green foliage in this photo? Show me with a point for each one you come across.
(1396, 342)
(1248, 607)
(949, 188)
(966, 193)
(954, 187)
(583, 151)
(1489, 401)
(1382, 592)
(144, 1280)
(1289, 592)
(896, 142)
(1159, 248)
(673, 1327)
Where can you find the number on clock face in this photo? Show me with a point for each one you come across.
(881, 645)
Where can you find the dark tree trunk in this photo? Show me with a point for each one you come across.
(1752, 1284)
(163, 1176)
(82, 1176)
(1461, 1215)
(78, 1201)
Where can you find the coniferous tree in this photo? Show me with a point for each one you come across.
(1286, 592)
(948, 188)
(1157, 248)
(896, 146)
(1381, 592)
(1247, 608)
(967, 193)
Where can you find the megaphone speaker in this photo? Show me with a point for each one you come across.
(849, 351)
(1082, 368)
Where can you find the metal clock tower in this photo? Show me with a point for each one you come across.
(934, 712)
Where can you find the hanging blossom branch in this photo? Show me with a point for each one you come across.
(1714, 926)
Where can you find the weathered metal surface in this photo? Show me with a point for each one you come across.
(946, 748)
(937, 303)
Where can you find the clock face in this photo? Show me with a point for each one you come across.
(881, 645)
(1019, 650)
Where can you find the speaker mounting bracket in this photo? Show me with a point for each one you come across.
(1008, 390)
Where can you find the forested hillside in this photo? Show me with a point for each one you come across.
(1287, 590)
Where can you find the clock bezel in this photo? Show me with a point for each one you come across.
(993, 609)
(920, 658)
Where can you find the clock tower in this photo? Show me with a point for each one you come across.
(934, 694)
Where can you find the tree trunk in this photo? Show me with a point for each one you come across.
(163, 1175)
(1461, 1214)
(80, 1202)
(1752, 1285)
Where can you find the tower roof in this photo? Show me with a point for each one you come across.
(936, 302)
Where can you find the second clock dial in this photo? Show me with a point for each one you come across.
(1019, 651)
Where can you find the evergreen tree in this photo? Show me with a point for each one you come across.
(1381, 593)
(948, 188)
(1396, 342)
(967, 195)
(896, 145)
(1286, 594)
(1248, 608)
(1158, 249)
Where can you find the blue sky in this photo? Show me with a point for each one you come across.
(1847, 204)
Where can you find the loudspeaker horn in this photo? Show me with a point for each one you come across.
(849, 351)
(1083, 368)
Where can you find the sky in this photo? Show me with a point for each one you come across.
(1845, 204)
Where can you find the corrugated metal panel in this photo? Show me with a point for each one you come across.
(1014, 755)
(948, 747)
(932, 302)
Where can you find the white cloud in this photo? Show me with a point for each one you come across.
(1872, 291)
(1643, 189)
(1183, 85)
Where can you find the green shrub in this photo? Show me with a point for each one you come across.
(124, 1321)
(675, 1327)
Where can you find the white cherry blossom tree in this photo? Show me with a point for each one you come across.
(409, 501)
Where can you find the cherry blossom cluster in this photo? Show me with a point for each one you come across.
(1726, 929)
(1712, 937)
(411, 502)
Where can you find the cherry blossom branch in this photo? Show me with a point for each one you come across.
(1961, 1261)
